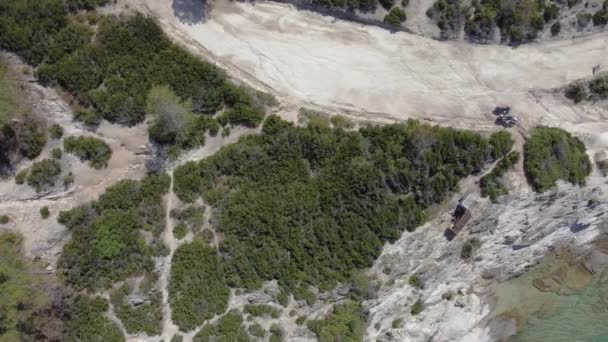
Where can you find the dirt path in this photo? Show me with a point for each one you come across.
(168, 328)
(308, 59)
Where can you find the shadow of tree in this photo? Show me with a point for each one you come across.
(191, 11)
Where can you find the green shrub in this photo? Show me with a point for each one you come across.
(44, 212)
(21, 176)
(600, 17)
(258, 310)
(469, 248)
(583, 19)
(169, 115)
(242, 114)
(346, 323)
(106, 245)
(144, 318)
(256, 330)
(56, 131)
(283, 298)
(556, 28)
(4, 219)
(226, 132)
(417, 308)
(88, 117)
(519, 21)
(491, 184)
(397, 323)
(94, 150)
(44, 174)
(416, 282)
(26, 300)
(303, 293)
(348, 191)
(192, 217)
(449, 17)
(276, 333)
(31, 138)
(501, 143)
(339, 121)
(68, 179)
(395, 17)
(177, 338)
(313, 118)
(551, 154)
(599, 86)
(387, 4)
(196, 288)
(179, 231)
(577, 92)
(56, 153)
(227, 328)
(87, 321)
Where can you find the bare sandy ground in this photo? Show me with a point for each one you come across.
(308, 59)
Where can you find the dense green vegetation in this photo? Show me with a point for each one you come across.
(94, 150)
(145, 317)
(491, 184)
(346, 323)
(21, 134)
(226, 329)
(519, 21)
(346, 5)
(192, 217)
(197, 288)
(261, 310)
(24, 293)
(56, 153)
(106, 244)
(308, 206)
(551, 154)
(502, 143)
(86, 321)
(111, 74)
(8, 104)
(449, 16)
(600, 17)
(56, 131)
(43, 175)
(395, 16)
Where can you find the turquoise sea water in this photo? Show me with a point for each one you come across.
(578, 317)
(573, 306)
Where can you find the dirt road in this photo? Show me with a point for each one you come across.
(308, 59)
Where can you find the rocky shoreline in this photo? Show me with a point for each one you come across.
(516, 234)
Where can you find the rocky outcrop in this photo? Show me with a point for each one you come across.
(515, 234)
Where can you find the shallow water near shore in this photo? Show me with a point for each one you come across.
(559, 300)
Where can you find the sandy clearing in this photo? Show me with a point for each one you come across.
(309, 59)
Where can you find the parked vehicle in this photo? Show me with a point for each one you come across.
(501, 110)
(506, 120)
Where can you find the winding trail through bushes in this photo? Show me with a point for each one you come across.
(168, 327)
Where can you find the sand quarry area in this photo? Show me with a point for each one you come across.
(307, 59)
